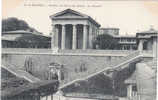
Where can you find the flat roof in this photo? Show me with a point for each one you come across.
(110, 28)
(124, 36)
(16, 32)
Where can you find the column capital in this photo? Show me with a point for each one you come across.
(85, 25)
(53, 24)
(74, 24)
(63, 24)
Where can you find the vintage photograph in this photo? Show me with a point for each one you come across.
(79, 50)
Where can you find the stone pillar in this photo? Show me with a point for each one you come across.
(63, 37)
(74, 37)
(123, 47)
(129, 91)
(84, 37)
(131, 47)
(90, 37)
(154, 47)
(56, 37)
(59, 75)
(53, 37)
(140, 45)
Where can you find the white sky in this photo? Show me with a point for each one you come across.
(129, 16)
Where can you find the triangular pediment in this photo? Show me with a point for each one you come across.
(69, 14)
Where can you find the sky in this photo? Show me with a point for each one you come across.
(129, 16)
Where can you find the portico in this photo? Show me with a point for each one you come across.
(147, 40)
(73, 30)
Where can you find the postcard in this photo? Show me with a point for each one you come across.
(79, 49)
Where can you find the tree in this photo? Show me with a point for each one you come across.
(12, 24)
(106, 41)
(33, 41)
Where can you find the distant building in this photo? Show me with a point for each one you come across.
(24, 39)
(125, 42)
(147, 40)
(111, 31)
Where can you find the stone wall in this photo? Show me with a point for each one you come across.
(74, 66)
(67, 52)
(146, 79)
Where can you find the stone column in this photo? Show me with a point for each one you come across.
(131, 47)
(63, 37)
(129, 91)
(74, 37)
(140, 45)
(56, 37)
(59, 75)
(154, 47)
(84, 37)
(53, 37)
(90, 37)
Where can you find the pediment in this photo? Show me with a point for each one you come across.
(69, 14)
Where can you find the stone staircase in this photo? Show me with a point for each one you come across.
(20, 73)
(115, 65)
(153, 63)
(146, 80)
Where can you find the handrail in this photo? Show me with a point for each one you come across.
(121, 60)
(117, 63)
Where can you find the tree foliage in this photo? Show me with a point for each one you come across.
(106, 41)
(26, 40)
(33, 41)
(12, 24)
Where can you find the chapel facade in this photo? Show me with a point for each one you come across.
(73, 30)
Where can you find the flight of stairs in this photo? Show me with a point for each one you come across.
(153, 63)
(115, 65)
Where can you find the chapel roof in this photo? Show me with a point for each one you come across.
(79, 16)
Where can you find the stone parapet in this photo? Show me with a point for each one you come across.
(90, 52)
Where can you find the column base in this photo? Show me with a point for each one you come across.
(55, 50)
